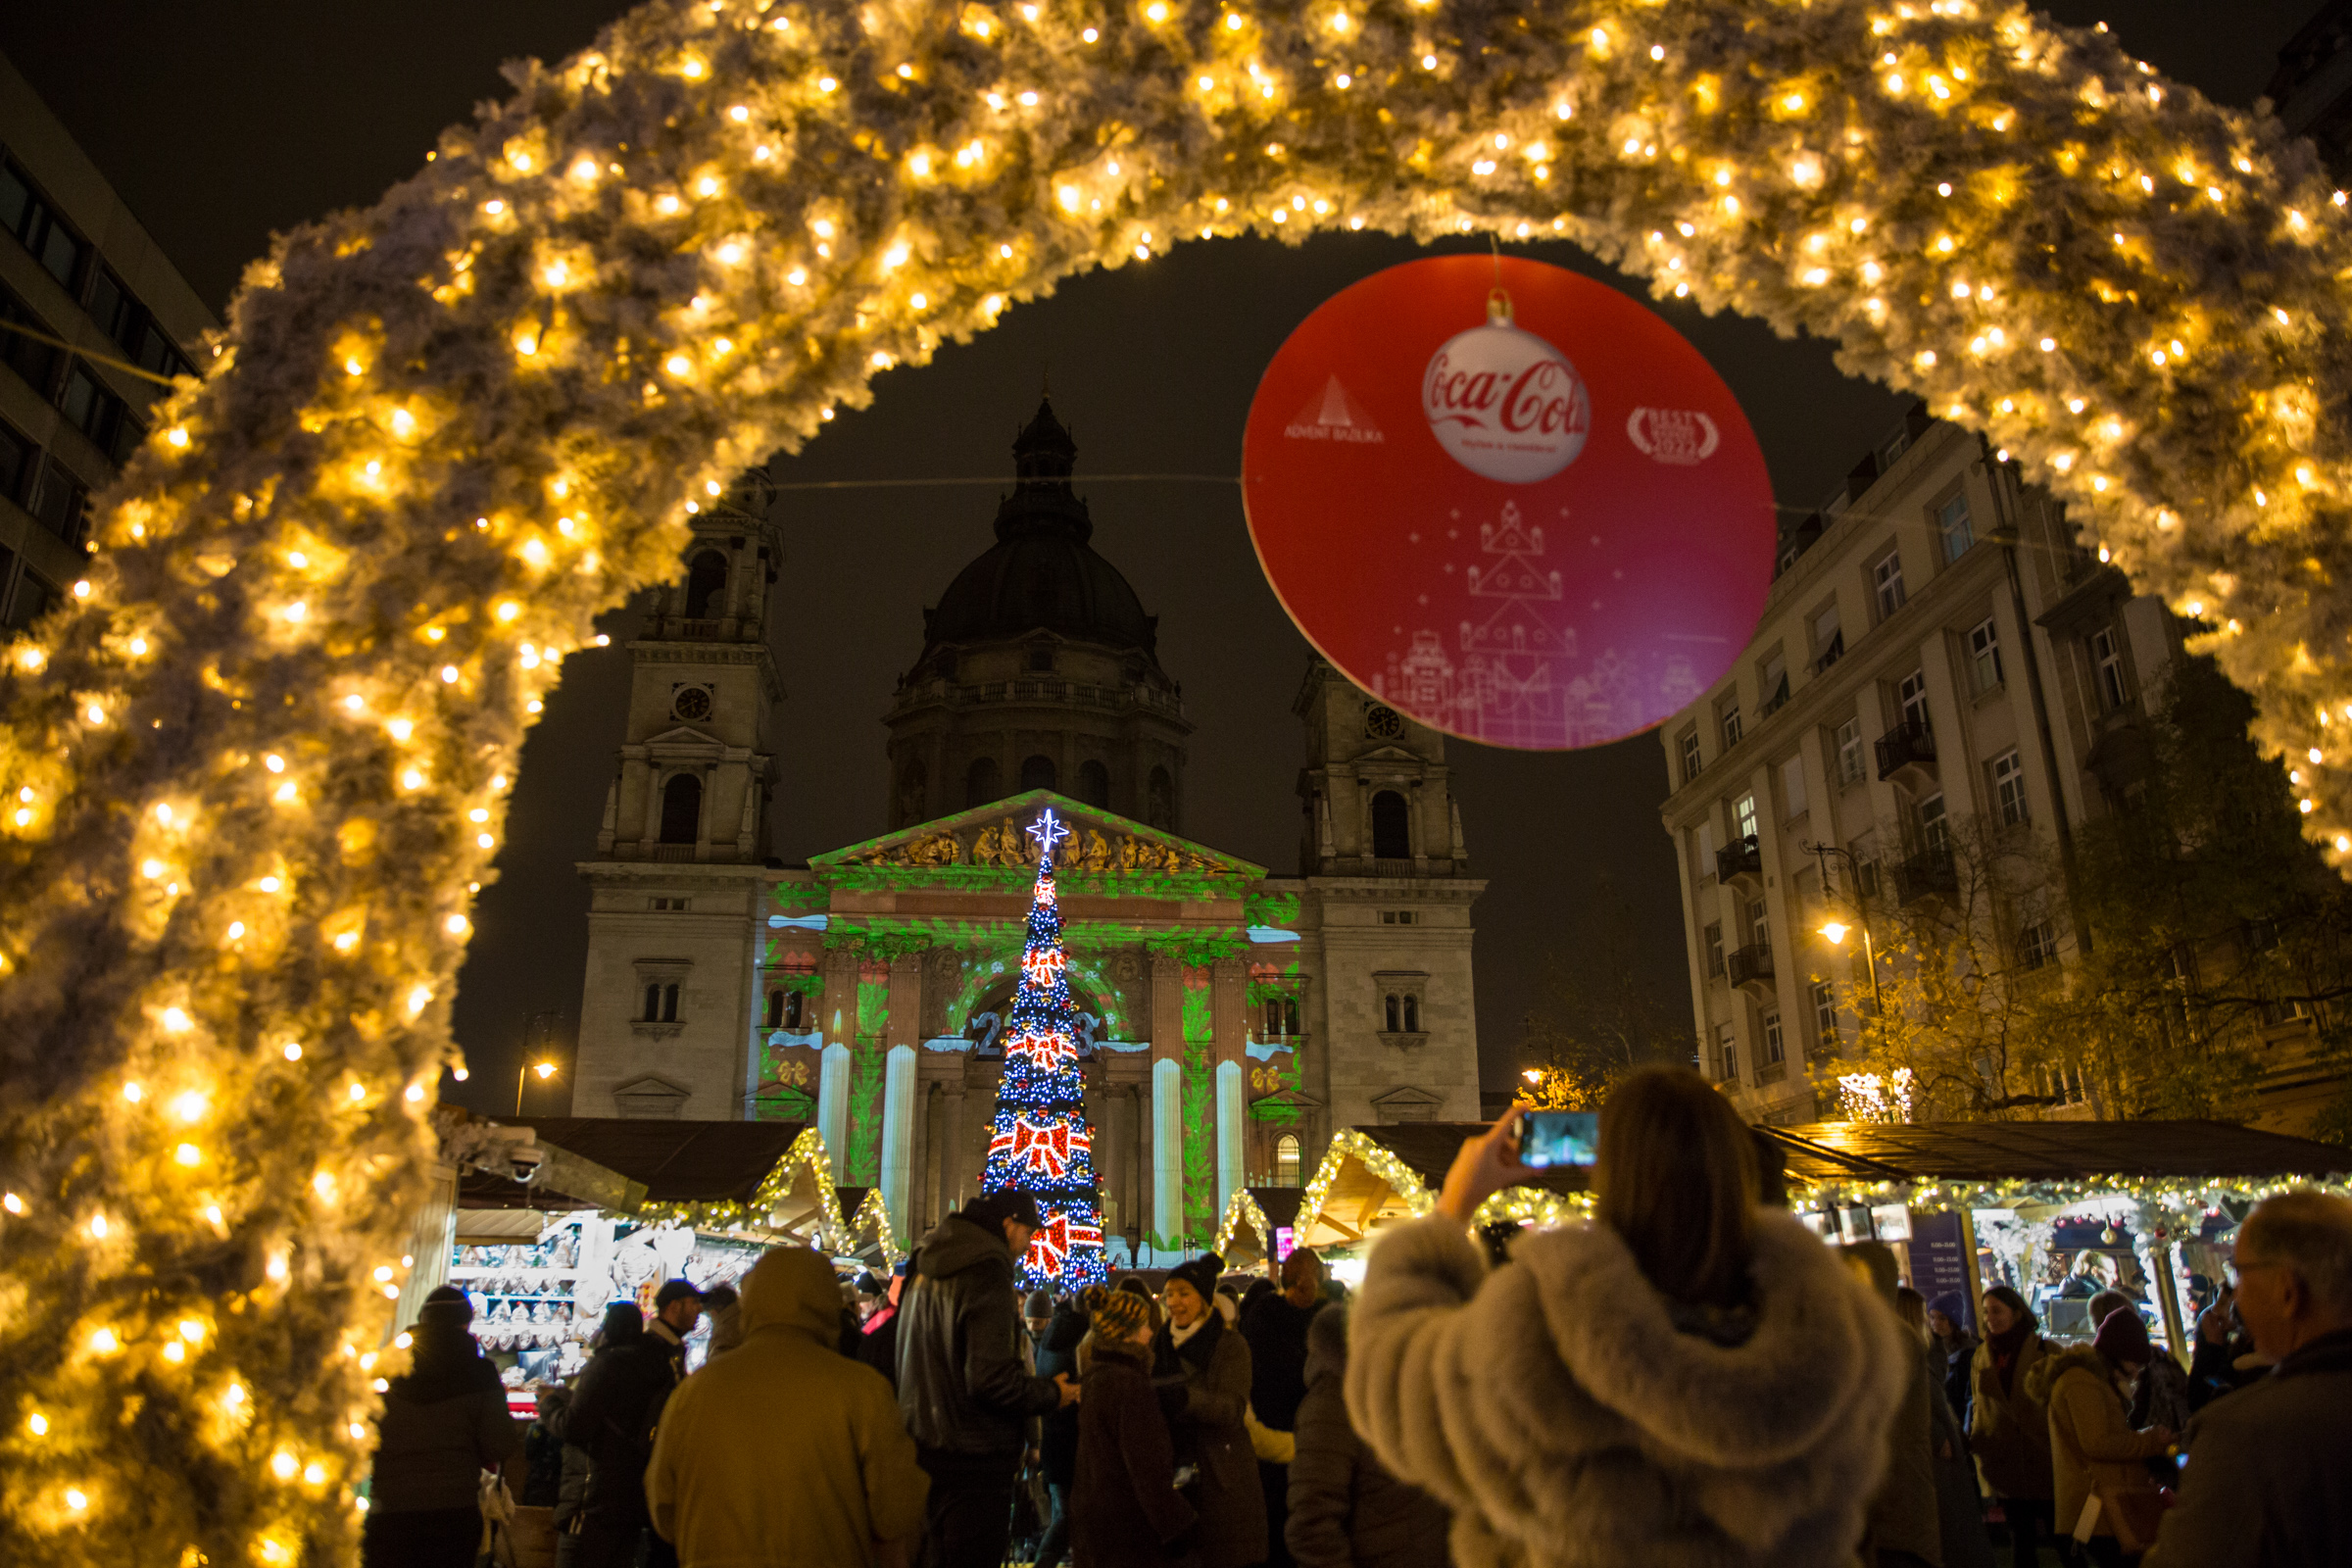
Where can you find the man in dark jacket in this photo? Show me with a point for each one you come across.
(613, 1409)
(1346, 1511)
(1276, 1325)
(2264, 1485)
(878, 1340)
(677, 1308)
(964, 1386)
(444, 1423)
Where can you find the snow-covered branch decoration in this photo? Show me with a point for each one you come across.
(256, 768)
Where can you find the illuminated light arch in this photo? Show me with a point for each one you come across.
(253, 771)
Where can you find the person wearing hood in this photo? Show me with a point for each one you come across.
(1201, 1368)
(615, 1407)
(1345, 1509)
(1685, 1379)
(2009, 1426)
(723, 1305)
(2093, 1449)
(1125, 1509)
(736, 1481)
(964, 1386)
(444, 1423)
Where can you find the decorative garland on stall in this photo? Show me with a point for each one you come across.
(876, 1213)
(807, 1154)
(1241, 1209)
(257, 767)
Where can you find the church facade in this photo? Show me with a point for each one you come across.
(1235, 1017)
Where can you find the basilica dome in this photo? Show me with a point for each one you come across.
(1040, 575)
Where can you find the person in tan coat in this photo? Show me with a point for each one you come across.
(2092, 1447)
(784, 1454)
(2008, 1428)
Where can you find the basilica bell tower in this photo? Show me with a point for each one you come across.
(698, 753)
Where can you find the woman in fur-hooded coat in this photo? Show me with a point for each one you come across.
(1572, 1417)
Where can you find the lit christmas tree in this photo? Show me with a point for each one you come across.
(1042, 1143)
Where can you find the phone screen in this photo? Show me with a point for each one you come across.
(1549, 1140)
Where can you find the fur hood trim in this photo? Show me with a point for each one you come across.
(1772, 1398)
(2042, 1380)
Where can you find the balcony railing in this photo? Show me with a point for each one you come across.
(1743, 856)
(1910, 744)
(1926, 874)
(1752, 965)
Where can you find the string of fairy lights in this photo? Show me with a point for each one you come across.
(256, 768)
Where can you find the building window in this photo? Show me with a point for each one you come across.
(1729, 717)
(1690, 760)
(775, 1010)
(60, 502)
(1286, 1160)
(980, 785)
(683, 810)
(1282, 1018)
(2009, 788)
(1829, 639)
(1391, 833)
(16, 456)
(1771, 1040)
(661, 1001)
(1041, 658)
(1953, 528)
(1159, 800)
(1985, 654)
(787, 1010)
(1094, 784)
(1825, 1013)
(1934, 832)
(667, 904)
(1715, 949)
(1849, 752)
(1887, 579)
(1773, 683)
(706, 585)
(24, 214)
(1757, 915)
(1727, 1055)
(2107, 667)
(1793, 787)
(32, 601)
(1399, 917)
(92, 410)
(1403, 1012)
(1866, 877)
(1912, 693)
(2037, 945)
(1037, 773)
(1744, 818)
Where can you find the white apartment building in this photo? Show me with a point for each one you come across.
(1936, 649)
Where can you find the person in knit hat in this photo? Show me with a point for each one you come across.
(2093, 1449)
(1125, 1509)
(1202, 1369)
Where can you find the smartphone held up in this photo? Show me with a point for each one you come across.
(1559, 1139)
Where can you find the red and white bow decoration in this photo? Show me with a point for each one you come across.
(1043, 1151)
(1042, 966)
(1053, 1242)
(1051, 1050)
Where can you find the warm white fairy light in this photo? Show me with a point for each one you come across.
(389, 368)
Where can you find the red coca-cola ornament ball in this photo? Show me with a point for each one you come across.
(1508, 501)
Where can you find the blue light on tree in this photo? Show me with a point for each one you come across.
(1042, 1143)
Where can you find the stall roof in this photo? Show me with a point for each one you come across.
(1280, 1205)
(1429, 1147)
(2052, 1151)
(678, 1161)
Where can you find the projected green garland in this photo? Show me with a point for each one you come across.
(258, 764)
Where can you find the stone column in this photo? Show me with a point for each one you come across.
(953, 1177)
(1168, 1096)
(1230, 1030)
(897, 1175)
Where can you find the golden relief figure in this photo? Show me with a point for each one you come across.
(940, 848)
(1098, 856)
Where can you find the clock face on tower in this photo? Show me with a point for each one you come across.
(1383, 723)
(691, 702)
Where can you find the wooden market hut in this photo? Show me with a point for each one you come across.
(1372, 1177)
(1246, 1236)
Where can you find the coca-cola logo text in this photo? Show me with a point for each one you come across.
(1505, 404)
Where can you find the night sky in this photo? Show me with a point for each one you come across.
(221, 123)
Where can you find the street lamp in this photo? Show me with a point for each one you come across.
(545, 1071)
(1835, 930)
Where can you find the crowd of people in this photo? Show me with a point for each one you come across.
(1692, 1378)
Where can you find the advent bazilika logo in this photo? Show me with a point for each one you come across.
(1333, 416)
(1673, 435)
(1504, 403)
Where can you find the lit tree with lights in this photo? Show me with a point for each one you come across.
(1042, 1143)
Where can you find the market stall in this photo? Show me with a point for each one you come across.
(1259, 1227)
(555, 1218)
(2055, 1209)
